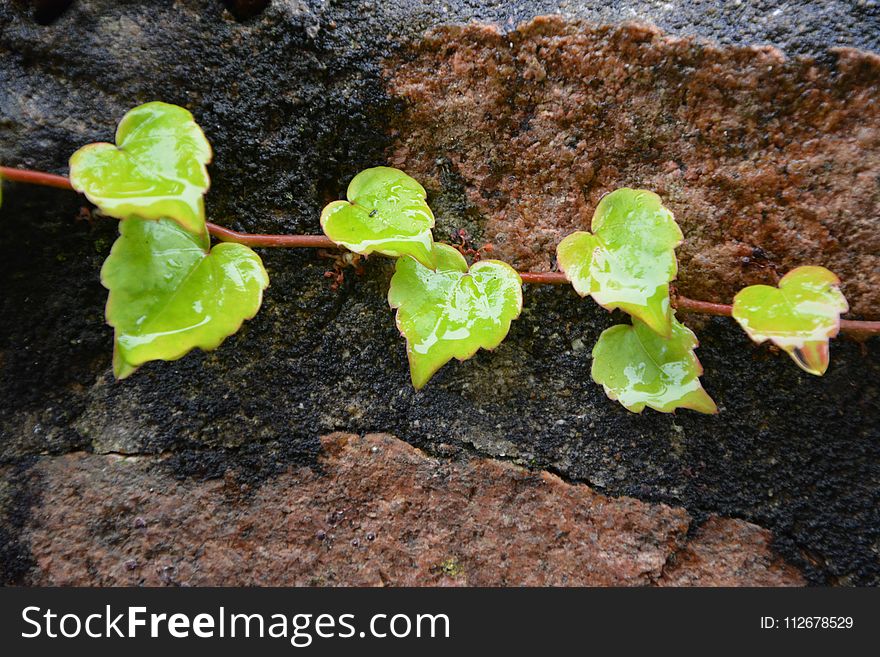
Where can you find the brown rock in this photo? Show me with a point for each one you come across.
(728, 552)
(380, 513)
(768, 163)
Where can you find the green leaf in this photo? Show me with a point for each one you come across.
(639, 368)
(452, 311)
(156, 169)
(629, 259)
(169, 293)
(798, 317)
(385, 213)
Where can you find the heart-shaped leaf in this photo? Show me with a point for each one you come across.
(798, 317)
(452, 311)
(639, 368)
(628, 259)
(169, 293)
(385, 213)
(156, 169)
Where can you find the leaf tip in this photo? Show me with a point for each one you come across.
(814, 357)
(122, 369)
(703, 403)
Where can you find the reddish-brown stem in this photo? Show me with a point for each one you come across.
(704, 307)
(857, 327)
(221, 233)
(678, 301)
(543, 277)
(861, 327)
(250, 239)
(35, 178)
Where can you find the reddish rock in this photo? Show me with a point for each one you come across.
(728, 552)
(768, 163)
(380, 512)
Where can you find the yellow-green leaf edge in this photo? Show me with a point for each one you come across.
(157, 169)
(150, 259)
(628, 260)
(414, 284)
(799, 316)
(386, 212)
(637, 367)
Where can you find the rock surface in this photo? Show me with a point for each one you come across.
(767, 163)
(726, 552)
(379, 513)
(295, 101)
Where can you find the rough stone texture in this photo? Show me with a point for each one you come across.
(294, 102)
(16, 497)
(767, 163)
(379, 513)
(726, 552)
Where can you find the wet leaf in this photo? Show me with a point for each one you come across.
(169, 293)
(639, 368)
(628, 259)
(155, 170)
(385, 213)
(799, 316)
(452, 311)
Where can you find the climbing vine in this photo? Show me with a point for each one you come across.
(171, 292)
